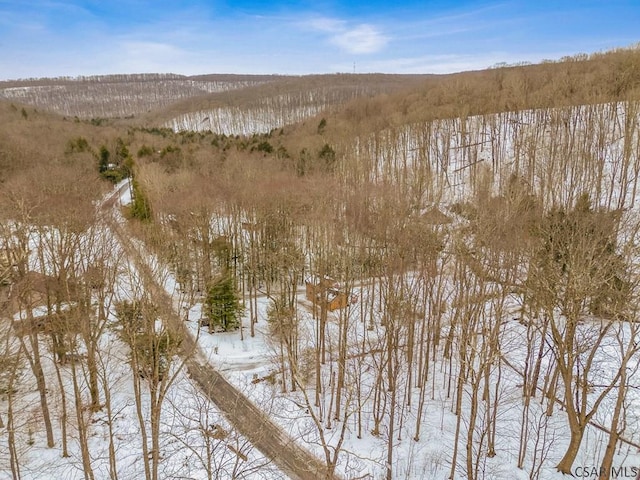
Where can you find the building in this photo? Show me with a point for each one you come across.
(326, 290)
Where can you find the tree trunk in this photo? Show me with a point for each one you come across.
(11, 440)
(82, 428)
(90, 339)
(569, 457)
(156, 408)
(63, 404)
(392, 417)
(614, 435)
(471, 427)
(137, 387)
(342, 359)
(36, 366)
(113, 470)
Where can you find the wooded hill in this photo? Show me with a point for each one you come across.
(358, 103)
(486, 221)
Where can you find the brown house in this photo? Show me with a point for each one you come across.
(327, 290)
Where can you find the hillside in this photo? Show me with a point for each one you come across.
(407, 276)
(168, 95)
(118, 95)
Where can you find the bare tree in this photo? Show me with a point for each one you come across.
(579, 271)
(152, 350)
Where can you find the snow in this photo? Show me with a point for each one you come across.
(196, 440)
(186, 417)
(240, 121)
(247, 363)
(252, 364)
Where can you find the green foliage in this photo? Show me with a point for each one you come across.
(161, 132)
(264, 146)
(77, 145)
(151, 350)
(192, 137)
(103, 159)
(168, 150)
(140, 206)
(321, 126)
(145, 151)
(121, 151)
(222, 306)
(114, 176)
(131, 318)
(328, 157)
(281, 318)
(127, 167)
(154, 351)
(115, 167)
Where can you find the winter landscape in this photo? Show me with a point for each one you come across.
(346, 276)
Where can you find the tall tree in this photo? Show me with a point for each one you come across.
(579, 271)
(222, 304)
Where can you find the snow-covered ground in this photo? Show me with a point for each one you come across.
(188, 426)
(116, 96)
(252, 365)
(196, 440)
(560, 153)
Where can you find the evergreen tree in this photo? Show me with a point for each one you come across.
(140, 207)
(321, 126)
(223, 309)
(103, 159)
(328, 157)
(122, 152)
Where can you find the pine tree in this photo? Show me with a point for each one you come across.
(103, 159)
(222, 305)
(140, 207)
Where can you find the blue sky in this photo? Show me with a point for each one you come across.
(44, 38)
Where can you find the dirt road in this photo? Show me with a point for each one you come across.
(249, 420)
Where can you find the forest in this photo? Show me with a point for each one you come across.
(340, 276)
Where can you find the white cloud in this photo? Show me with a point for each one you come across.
(360, 39)
(355, 39)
